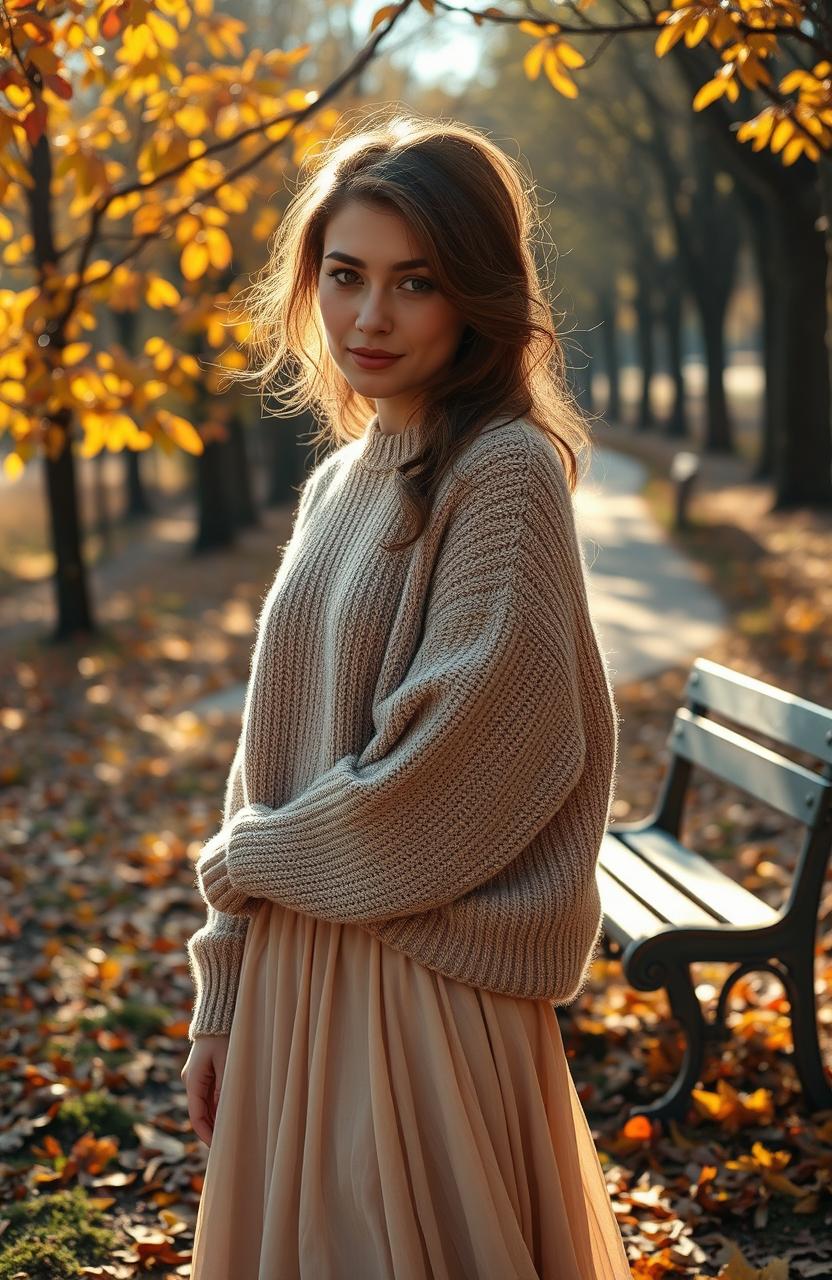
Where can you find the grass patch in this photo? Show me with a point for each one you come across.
(132, 1015)
(52, 1237)
(97, 1113)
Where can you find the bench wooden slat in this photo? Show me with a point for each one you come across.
(625, 917)
(710, 887)
(762, 707)
(663, 897)
(772, 778)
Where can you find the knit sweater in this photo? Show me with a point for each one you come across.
(429, 739)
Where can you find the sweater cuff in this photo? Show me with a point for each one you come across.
(215, 883)
(243, 853)
(215, 964)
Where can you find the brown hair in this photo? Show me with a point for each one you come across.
(469, 204)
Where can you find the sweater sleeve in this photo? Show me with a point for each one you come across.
(478, 746)
(215, 951)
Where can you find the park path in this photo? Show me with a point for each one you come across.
(651, 606)
(651, 609)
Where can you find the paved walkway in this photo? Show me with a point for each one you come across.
(651, 609)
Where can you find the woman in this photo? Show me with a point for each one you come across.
(404, 882)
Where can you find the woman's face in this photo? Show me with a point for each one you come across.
(373, 295)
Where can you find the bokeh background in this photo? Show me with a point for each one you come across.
(681, 159)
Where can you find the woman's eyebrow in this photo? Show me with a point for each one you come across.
(397, 266)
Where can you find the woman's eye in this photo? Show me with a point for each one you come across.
(340, 271)
(425, 285)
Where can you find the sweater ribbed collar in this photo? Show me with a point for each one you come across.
(385, 452)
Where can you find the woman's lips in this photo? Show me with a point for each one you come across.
(373, 362)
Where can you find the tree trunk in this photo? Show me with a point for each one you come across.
(758, 218)
(74, 616)
(676, 427)
(719, 436)
(103, 518)
(215, 521)
(243, 503)
(609, 338)
(137, 504)
(803, 452)
(796, 195)
(215, 472)
(580, 379)
(74, 613)
(285, 450)
(645, 418)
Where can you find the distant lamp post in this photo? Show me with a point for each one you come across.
(683, 471)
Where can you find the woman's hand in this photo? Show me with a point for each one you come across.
(202, 1074)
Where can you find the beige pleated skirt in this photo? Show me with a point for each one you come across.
(378, 1121)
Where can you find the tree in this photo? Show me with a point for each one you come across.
(133, 167)
(783, 151)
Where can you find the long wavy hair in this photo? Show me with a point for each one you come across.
(477, 216)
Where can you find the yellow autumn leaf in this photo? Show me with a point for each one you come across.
(194, 261)
(782, 134)
(161, 293)
(759, 128)
(110, 969)
(162, 30)
(121, 431)
(192, 120)
(95, 270)
(709, 93)
(214, 217)
(148, 218)
(74, 352)
(95, 434)
(14, 253)
(6, 227)
(569, 55)
(672, 31)
(697, 30)
(85, 387)
(533, 60)
(13, 466)
(232, 199)
(556, 75)
(792, 151)
(181, 431)
(123, 205)
(233, 360)
(188, 226)
(768, 1159)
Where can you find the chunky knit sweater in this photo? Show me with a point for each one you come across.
(429, 739)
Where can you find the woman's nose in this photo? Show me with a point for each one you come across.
(373, 313)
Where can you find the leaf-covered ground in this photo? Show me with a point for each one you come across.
(108, 786)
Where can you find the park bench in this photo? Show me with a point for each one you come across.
(666, 906)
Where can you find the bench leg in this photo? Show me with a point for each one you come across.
(686, 1008)
(799, 981)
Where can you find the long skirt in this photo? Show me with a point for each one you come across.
(378, 1121)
